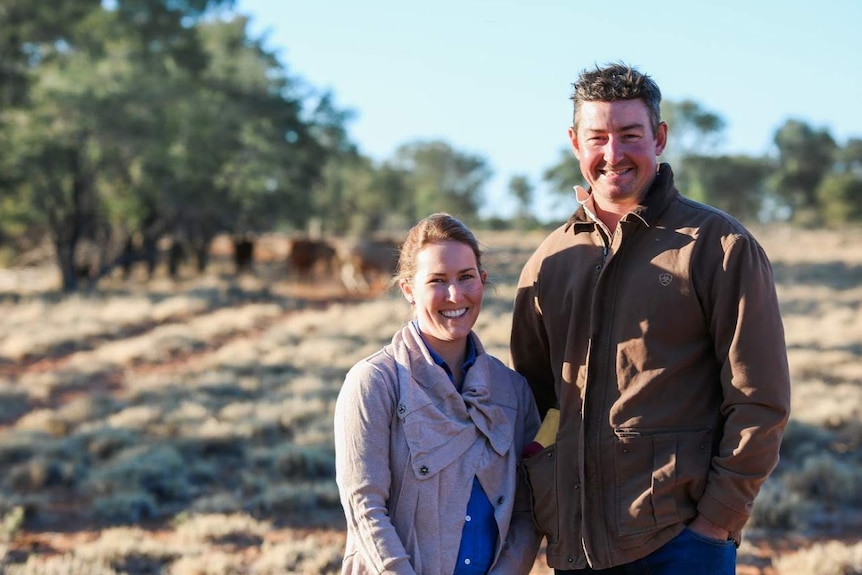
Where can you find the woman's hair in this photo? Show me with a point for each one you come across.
(434, 228)
(617, 82)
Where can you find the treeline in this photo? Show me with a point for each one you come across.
(132, 124)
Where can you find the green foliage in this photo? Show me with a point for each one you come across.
(692, 130)
(139, 480)
(734, 184)
(522, 191)
(442, 179)
(11, 522)
(805, 156)
(147, 119)
(564, 174)
(840, 198)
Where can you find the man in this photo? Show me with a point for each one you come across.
(651, 322)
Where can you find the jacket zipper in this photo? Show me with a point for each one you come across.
(629, 432)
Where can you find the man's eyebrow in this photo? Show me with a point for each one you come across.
(635, 126)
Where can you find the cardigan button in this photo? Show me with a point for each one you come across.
(423, 470)
(402, 408)
(500, 500)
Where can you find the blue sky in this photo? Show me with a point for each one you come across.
(493, 77)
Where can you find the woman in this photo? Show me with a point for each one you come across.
(429, 430)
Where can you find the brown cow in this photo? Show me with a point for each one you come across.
(367, 262)
(308, 257)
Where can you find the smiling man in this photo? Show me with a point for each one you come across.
(652, 323)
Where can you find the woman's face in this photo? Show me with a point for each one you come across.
(446, 290)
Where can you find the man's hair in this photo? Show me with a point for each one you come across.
(617, 81)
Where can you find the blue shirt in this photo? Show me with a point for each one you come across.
(479, 536)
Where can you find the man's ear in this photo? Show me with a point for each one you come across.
(573, 140)
(660, 138)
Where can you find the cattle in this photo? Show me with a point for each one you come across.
(367, 263)
(308, 258)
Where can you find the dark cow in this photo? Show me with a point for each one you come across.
(367, 262)
(309, 257)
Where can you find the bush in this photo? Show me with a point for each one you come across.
(831, 558)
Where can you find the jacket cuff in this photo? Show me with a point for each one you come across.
(722, 515)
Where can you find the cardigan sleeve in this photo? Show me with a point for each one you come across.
(522, 540)
(363, 415)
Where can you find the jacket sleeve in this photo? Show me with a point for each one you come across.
(528, 345)
(522, 540)
(748, 333)
(363, 414)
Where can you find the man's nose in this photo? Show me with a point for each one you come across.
(613, 151)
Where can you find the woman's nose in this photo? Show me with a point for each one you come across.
(453, 292)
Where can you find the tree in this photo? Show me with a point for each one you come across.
(522, 190)
(146, 121)
(692, 130)
(562, 176)
(848, 158)
(734, 184)
(840, 196)
(805, 156)
(840, 192)
(442, 178)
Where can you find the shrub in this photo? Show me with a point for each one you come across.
(830, 558)
(777, 508)
(825, 478)
(125, 507)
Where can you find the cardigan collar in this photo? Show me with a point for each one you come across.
(441, 424)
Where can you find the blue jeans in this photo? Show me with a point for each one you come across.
(688, 553)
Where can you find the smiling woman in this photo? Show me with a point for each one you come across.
(433, 422)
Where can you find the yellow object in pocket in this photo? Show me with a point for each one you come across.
(547, 433)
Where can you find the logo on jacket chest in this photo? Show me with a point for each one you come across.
(665, 279)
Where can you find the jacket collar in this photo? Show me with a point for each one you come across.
(661, 192)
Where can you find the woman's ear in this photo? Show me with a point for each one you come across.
(484, 276)
(407, 291)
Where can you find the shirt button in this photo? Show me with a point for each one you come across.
(466, 561)
(468, 518)
(423, 470)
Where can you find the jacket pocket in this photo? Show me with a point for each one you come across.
(658, 472)
(541, 473)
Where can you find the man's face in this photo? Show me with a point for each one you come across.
(617, 150)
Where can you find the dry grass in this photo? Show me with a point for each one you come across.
(186, 427)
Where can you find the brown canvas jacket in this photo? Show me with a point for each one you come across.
(664, 348)
(407, 448)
